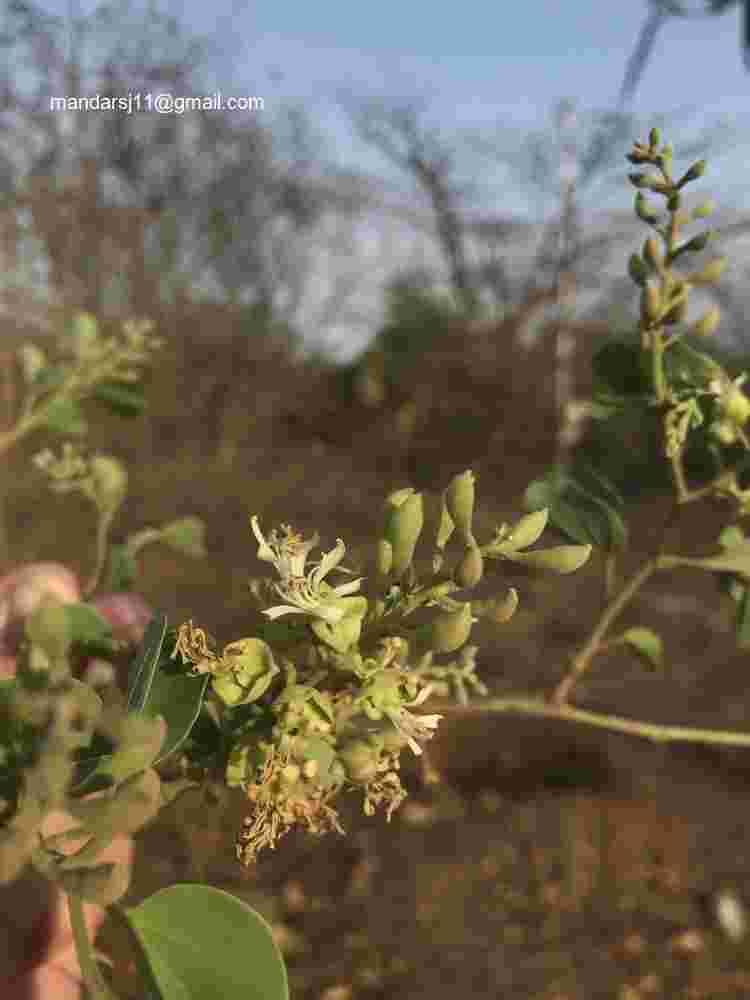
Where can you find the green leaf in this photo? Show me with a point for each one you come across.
(646, 643)
(144, 668)
(576, 512)
(64, 416)
(617, 368)
(126, 399)
(197, 942)
(122, 570)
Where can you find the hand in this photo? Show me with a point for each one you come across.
(37, 955)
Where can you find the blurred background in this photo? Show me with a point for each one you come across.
(396, 263)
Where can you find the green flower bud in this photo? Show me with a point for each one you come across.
(693, 173)
(674, 201)
(450, 631)
(559, 558)
(654, 138)
(637, 270)
(643, 209)
(102, 884)
(736, 406)
(699, 242)
(459, 499)
(650, 304)
(708, 323)
(187, 535)
(247, 669)
(725, 432)
(710, 273)
(404, 523)
(360, 761)
(469, 571)
(384, 556)
(109, 482)
(501, 609)
(705, 209)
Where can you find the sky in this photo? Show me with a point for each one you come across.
(478, 65)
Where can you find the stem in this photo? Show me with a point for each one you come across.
(582, 660)
(102, 530)
(523, 705)
(92, 977)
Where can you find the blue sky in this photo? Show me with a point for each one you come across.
(479, 64)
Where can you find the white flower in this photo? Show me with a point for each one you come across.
(307, 595)
(415, 727)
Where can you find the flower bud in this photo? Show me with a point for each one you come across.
(699, 242)
(186, 535)
(109, 482)
(450, 631)
(501, 609)
(693, 173)
(708, 323)
(673, 203)
(736, 406)
(527, 530)
(360, 761)
(710, 273)
(459, 500)
(469, 571)
(654, 138)
(643, 209)
(637, 269)
(404, 522)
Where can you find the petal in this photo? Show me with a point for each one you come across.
(265, 552)
(284, 609)
(348, 588)
(328, 562)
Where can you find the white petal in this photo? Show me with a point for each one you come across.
(328, 562)
(348, 588)
(284, 609)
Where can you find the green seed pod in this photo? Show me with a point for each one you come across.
(247, 670)
(384, 556)
(637, 270)
(360, 761)
(450, 631)
(677, 313)
(699, 242)
(103, 884)
(651, 253)
(704, 210)
(527, 530)
(469, 571)
(650, 304)
(643, 209)
(708, 323)
(404, 523)
(693, 173)
(459, 499)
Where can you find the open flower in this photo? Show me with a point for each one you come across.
(415, 728)
(306, 595)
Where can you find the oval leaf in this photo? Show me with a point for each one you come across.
(126, 399)
(646, 643)
(199, 942)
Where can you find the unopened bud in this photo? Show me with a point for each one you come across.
(450, 631)
(109, 484)
(693, 173)
(637, 270)
(708, 323)
(643, 210)
(654, 138)
(459, 499)
(469, 571)
(404, 523)
(501, 609)
(674, 201)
